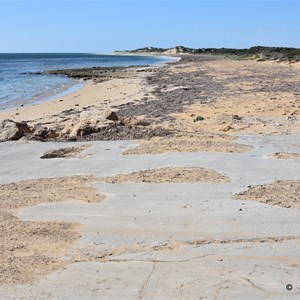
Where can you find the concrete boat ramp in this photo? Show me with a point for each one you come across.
(171, 240)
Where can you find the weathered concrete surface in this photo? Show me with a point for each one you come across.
(168, 241)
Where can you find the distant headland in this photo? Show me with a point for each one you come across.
(256, 53)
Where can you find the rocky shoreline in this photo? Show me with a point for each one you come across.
(98, 74)
(172, 88)
(87, 122)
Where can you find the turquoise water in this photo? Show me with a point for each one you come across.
(18, 87)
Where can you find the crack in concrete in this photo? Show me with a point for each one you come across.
(244, 240)
(219, 288)
(104, 260)
(142, 290)
(108, 257)
(255, 286)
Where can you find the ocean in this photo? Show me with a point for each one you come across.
(19, 86)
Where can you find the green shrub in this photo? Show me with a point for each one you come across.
(198, 118)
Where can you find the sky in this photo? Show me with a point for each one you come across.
(102, 26)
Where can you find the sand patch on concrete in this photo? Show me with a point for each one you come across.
(170, 175)
(67, 152)
(285, 155)
(284, 193)
(48, 190)
(31, 250)
(188, 143)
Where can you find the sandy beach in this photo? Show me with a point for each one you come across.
(101, 95)
(177, 181)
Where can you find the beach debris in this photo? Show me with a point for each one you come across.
(10, 130)
(236, 117)
(227, 128)
(67, 152)
(117, 131)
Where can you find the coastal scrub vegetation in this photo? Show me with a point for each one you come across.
(257, 52)
(198, 118)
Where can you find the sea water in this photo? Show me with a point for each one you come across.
(19, 86)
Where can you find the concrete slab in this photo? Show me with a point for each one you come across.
(167, 241)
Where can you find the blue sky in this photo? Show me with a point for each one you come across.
(107, 25)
